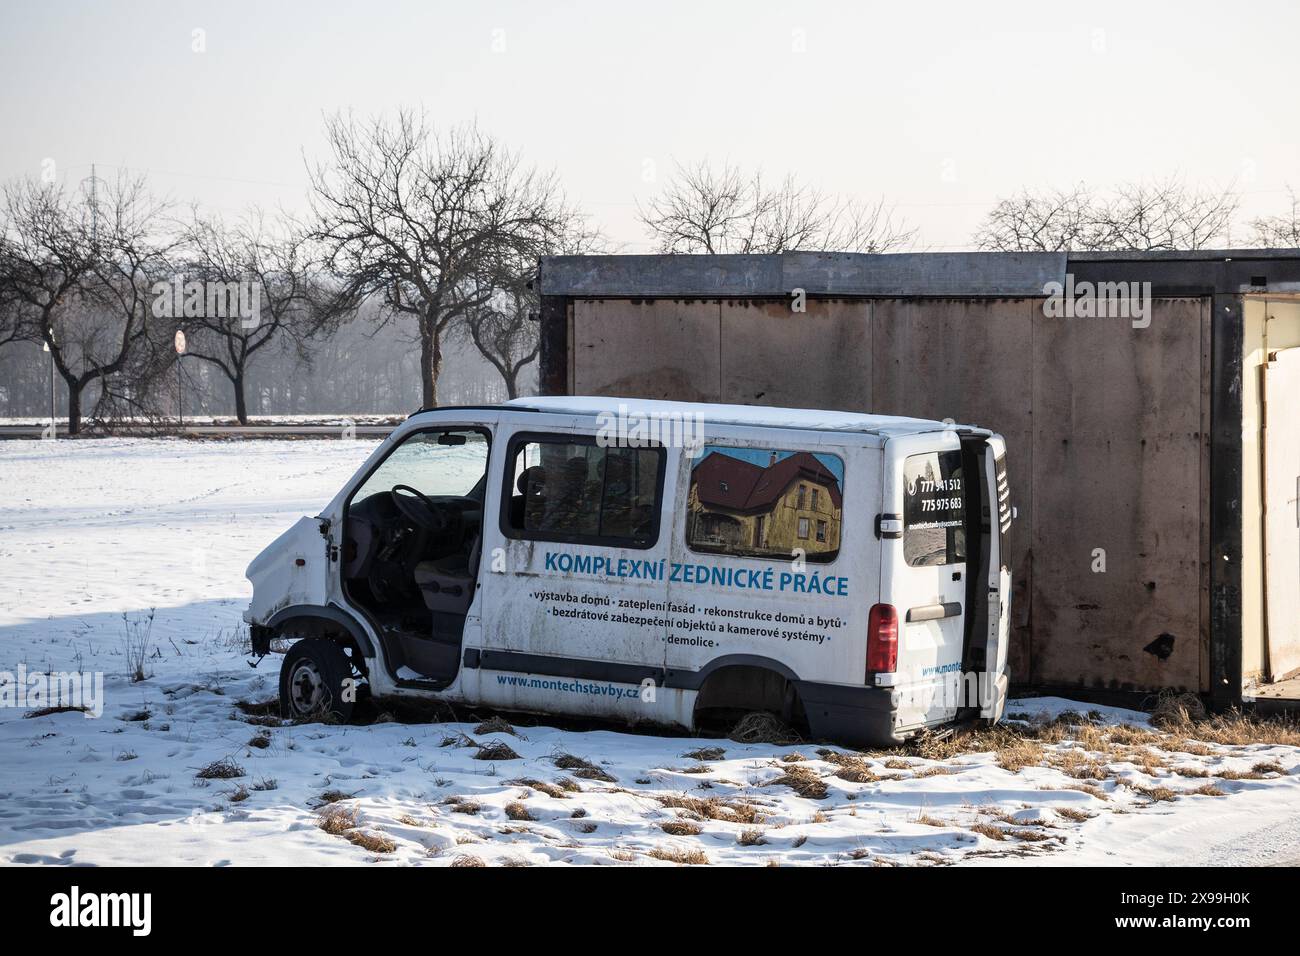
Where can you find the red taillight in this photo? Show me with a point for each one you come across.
(882, 640)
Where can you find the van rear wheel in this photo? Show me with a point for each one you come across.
(312, 678)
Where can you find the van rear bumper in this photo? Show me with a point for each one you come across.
(858, 716)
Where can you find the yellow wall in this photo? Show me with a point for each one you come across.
(1270, 324)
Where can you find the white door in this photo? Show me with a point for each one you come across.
(924, 574)
(1282, 510)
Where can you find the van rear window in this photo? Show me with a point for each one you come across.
(934, 513)
(760, 502)
(581, 492)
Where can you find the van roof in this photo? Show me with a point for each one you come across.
(886, 426)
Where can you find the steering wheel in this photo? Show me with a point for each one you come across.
(427, 515)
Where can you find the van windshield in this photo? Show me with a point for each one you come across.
(934, 513)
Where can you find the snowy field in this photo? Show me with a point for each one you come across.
(95, 536)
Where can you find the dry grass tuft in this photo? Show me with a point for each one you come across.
(495, 725)
(1070, 813)
(763, 728)
(1173, 709)
(334, 796)
(926, 820)
(1078, 763)
(459, 804)
(223, 769)
(680, 856)
(1157, 794)
(850, 767)
(681, 828)
(751, 837)
(1208, 790)
(583, 769)
(804, 781)
(705, 753)
(1232, 728)
(57, 709)
(936, 770)
(496, 750)
(1087, 788)
(989, 830)
(517, 811)
(541, 786)
(1016, 755)
(713, 808)
(466, 859)
(336, 819)
(374, 842)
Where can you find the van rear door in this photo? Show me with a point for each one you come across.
(943, 567)
(987, 498)
(923, 574)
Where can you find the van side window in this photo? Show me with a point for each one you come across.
(573, 490)
(755, 502)
(934, 513)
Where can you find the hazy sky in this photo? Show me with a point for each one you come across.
(942, 107)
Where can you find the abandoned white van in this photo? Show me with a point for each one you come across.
(655, 562)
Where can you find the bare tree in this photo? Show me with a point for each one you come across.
(11, 306)
(1039, 222)
(1279, 232)
(504, 330)
(503, 325)
(1165, 215)
(724, 210)
(408, 217)
(264, 269)
(81, 266)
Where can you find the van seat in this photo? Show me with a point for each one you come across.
(447, 583)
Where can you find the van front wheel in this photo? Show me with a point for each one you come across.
(312, 682)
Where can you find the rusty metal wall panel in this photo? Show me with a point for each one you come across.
(660, 348)
(1118, 463)
(1105, 426)
(820, 358)
(970, 361)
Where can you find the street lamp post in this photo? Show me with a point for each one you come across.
(46, 347)
(179, 343)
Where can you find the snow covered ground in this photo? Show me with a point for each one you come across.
(95, 534)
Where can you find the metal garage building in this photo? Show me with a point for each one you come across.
(1169, 441)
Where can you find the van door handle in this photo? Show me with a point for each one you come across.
(934, 612)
